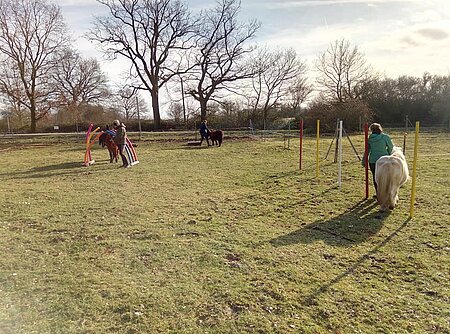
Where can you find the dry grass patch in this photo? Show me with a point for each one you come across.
(220, 240)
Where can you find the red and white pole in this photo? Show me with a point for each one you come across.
(301, 142)
(366, 155)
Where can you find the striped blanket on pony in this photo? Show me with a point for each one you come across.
(129, 150)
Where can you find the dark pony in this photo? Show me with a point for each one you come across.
(216, 137)
(107, 140)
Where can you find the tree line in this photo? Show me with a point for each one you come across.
(205, 62)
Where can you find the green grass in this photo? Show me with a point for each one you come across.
(220, 240)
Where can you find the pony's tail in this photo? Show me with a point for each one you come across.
(383, 192)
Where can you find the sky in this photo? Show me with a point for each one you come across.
(397, 37)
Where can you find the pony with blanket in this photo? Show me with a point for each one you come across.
(106, 139)
(216, 137)
(391, 172)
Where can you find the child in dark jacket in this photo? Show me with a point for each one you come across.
(204, 132)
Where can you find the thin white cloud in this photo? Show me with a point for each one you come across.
(395, 47)
(433, 33)
(428, 15)
(409, 41)
(77, 3)
(397, 36)
(407, 50)
(311, 3)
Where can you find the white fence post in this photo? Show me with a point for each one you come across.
(340, 156)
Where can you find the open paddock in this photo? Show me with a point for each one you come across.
(218, 240)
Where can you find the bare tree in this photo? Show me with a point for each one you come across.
(12, 93)
(276, 71)
(31, 34)
(131, 104)
(221, 52)
(299, 90)
(150, 34)
(79, 82)
(343, 68)
(176, 112)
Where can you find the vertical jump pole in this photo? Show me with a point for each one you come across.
(301, 142)
(139, 117)
(317, 149)
(340, 156)
(289, 136)
(336, 149)
(413, 187)
(87, 155)
(404, 143)
(366, 157)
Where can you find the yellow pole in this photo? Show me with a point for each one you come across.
(317, 150)
(413, 187)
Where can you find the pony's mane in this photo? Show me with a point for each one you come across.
(398, 151)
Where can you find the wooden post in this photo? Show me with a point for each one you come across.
(184, 105)
(404, 143)
(337, 142)
(413, 187)
(289, 136)
(139, 117)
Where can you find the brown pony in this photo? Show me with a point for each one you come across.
(216, 137)
(106, 140)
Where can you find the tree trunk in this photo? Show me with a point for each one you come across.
(203, 108)
(155, 107)
(33, 116)
(264, 118)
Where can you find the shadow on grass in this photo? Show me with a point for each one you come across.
(281, 175)
(61, 166)
(61, 169)
(311, 298)
(195, 147)
(354, 226)
(270, 210)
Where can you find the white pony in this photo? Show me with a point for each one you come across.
(391, 172)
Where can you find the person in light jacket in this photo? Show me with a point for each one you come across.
(120, 139)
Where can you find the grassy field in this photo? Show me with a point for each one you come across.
(218, 240)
